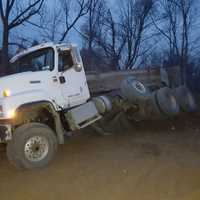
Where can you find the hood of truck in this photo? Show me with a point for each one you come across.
(22, 82)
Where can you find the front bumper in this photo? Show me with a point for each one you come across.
(5, 132)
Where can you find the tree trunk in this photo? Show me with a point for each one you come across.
(4, 55)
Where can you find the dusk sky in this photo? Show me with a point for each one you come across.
(35, 32)
(30, 32)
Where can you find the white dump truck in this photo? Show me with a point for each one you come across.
(47, 96)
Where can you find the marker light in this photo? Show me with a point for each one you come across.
(6, 93)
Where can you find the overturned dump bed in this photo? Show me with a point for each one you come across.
(108, 81)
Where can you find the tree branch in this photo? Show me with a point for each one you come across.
(26, 14)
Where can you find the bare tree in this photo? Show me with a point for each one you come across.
(73, 11)
(112, 40)
(135, 15)
(185, 7)
(95, 20)
(176, 25)
(13, 13)
(103, 37)
(51, 23)
(91, 31)
(123, 35)
(119, 36)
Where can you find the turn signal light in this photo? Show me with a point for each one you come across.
(6, 93)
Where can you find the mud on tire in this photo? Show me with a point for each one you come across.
(33, 146)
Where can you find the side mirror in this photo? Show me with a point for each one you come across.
(77, 58)
(78, 67)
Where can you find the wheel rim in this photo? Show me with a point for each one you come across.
(139, 87)
(36, 148)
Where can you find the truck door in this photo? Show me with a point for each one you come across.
(72, 79)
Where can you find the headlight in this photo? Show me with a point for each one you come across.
(11, 114)
(6, 93)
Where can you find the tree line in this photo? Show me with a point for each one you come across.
(115, 35)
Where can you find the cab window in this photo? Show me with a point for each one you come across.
(65, 60)
(41, 60)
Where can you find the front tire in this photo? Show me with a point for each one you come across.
(33, 146)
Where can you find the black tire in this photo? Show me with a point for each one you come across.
(133, 90)
(22, 158)
(154, 108)
(166, 102)
(185, 99)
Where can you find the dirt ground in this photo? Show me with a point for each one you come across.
(154, 161)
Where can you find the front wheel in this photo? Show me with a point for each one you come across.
(33, 146)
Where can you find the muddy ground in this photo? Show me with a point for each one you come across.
(154, 161)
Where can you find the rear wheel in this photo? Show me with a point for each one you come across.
(185, 99)
(134, 91)
(166, 102)
(163, 104)
(33, 146)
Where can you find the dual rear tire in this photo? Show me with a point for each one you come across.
(185, 99)
(164, 102)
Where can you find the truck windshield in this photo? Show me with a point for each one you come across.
(41, 60)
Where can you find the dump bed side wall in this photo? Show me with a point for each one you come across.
(108, 81)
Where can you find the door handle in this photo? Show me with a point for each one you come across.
(62, 79)
(54, 79)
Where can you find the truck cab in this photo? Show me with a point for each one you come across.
(45, 96)
(57, 70)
